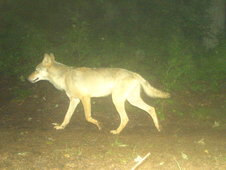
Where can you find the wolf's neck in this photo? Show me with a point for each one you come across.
(57, 75)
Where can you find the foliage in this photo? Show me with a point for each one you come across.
(213, 68)
(162, 40)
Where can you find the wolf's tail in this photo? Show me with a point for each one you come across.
(151, 91)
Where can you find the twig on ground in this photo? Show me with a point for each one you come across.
(178, 165)
(141, 161)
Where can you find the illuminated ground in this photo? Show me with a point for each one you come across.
(28, 140)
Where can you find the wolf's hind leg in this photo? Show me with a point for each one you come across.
(119, 96)
(120, 107)
(135, 99)
(87, 108)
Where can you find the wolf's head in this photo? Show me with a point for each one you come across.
(41, 70)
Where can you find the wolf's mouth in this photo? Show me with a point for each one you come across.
(34, 81)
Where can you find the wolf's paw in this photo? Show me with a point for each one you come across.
(159, 128)
(57, 126)
(99, 126)
(115, 132)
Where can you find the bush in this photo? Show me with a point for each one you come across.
(151, 37)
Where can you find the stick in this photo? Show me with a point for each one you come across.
(141, 161)
(178, 165)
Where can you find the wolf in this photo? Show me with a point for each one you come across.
(82, 83)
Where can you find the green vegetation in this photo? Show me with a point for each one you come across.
(162, 40)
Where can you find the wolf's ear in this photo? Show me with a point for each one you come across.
(47, 60)
(52, 56)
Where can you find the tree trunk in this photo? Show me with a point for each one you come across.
(218, 22)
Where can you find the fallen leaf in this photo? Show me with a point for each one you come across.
(67, 155)
(206, 151)
(138, 159)
(161, 163)
(184, 156)
(216, 124)
(201, 142)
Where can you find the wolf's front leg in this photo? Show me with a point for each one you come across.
(73, 104)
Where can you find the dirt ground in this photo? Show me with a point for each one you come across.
(28, 140)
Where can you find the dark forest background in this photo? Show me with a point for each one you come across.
(177, 44)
